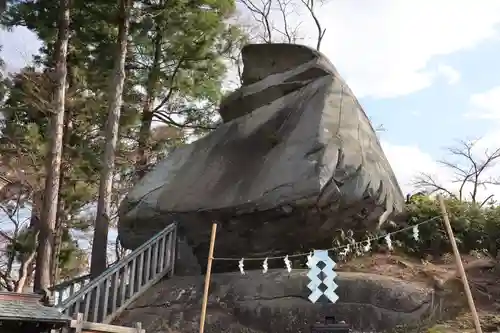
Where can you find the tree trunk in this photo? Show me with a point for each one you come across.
(51, 193)
(24, 273)
(61, 215)
(147, 112)
(100, 241)
(36, 208)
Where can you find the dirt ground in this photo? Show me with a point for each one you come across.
(483, 275)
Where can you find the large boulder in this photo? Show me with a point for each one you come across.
(277, 302)
(295, 159)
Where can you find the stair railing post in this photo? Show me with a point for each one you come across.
(154, 262)
(174, 253)
(131, 284)
(139, 267)
(138, 328)
(147, 265)
(77, 323)
(162, 251)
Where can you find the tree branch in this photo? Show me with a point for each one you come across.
(468, 169)
(23, 269)
(321, 32)
(166, 99)
(427, 182)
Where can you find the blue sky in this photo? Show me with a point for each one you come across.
(424, 69)
(434, 117)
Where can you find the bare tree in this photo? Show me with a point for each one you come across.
(261, 13)
(53, 169)
(104, 212)
(288, 33)
(468, 168)
(272, 19)
(309, 4)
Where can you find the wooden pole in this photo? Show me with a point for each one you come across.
(460, 266)
(207, 278)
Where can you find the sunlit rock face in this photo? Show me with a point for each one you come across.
(295, 159)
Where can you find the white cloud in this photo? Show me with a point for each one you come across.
(451, 75)
(489, 142)
(408, 161)
(485, 105)
(18, 47)
(383, 48)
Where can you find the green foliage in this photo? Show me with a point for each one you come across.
(176, 59)
(476, 228)
(25, 242)
(72, 259)
(25, 139)
(193, 38)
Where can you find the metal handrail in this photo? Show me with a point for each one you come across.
(133, 275)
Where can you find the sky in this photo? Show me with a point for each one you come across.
(423, 69)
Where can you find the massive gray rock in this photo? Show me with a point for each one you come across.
(277, 302)
(295, 159)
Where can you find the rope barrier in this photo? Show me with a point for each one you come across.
(305, 254)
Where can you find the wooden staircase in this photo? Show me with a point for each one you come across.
(102, 299)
